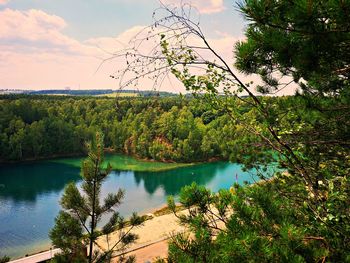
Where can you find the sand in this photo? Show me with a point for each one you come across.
(153, 236)
(149, 253)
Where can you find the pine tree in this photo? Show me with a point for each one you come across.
(4, 259)
(77, 224)
(244, 224)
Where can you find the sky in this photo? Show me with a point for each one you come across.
(55, 44)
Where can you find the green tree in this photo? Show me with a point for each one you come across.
(16, 143)
(77, 224)
(244, 224)
(4, 259)
(307, 42)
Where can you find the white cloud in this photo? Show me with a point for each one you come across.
(31, 25)
(4, 2)
(112, 44)
(36, 54)
(35, 29)
(203, 6)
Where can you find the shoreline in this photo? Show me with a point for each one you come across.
(160, 222)
(39, 159)
(106, 151)
(34, 249)
(135, 164)
(152, 213)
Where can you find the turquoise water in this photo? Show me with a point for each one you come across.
(30, 194)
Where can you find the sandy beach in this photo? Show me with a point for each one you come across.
(153, 236)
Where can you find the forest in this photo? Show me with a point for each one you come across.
(164, 129)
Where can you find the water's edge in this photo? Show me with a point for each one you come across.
(30, 193)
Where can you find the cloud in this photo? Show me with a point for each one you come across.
(223, 44)
(113, 44)
(203, 6)
(36, 54)
(4, 2)
(31, 25)
(36, 30)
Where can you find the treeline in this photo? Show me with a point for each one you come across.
(72, 92)
(166, 129)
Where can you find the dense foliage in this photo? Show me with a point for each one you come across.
(245, 224)
(4, 259)
(176, 129)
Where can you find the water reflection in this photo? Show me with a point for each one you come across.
(25, 182)
(30, 194)
(172, 181)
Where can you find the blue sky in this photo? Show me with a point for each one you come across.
(100, 18)
(51, 44)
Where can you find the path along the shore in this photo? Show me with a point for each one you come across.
(152, 241)
(39, 257)
(153, 236)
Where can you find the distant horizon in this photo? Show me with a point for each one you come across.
(92, 89)
(62, 43)
(54, 48)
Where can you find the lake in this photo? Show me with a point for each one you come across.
(30, 193)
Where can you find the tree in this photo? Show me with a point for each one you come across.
(64, 129)
(77, 224)
(304, 43)
(4, 259)
(244, 224)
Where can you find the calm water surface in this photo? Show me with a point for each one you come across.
(30, 194)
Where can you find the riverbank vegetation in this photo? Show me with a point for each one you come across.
(127, 163)
(173, 129)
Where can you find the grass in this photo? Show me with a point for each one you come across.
(119, 94)
(123, 162)
(127, 163)
(166, 210)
